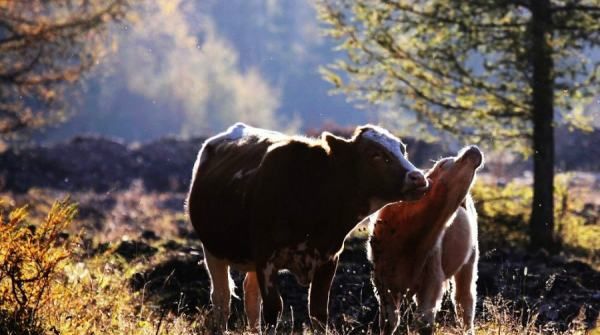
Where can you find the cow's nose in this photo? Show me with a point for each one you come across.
(416, 178)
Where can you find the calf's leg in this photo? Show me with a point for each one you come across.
(319, 295)
(269, 291)
(220, 291)
(389, 316)
(429, 296)
(252, 301)
(466, 291)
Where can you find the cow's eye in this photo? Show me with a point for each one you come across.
(378, 156)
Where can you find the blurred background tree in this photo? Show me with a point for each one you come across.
(45, 45)
(489, 72)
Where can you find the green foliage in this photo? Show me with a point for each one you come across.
(463, 66)
(504, 211)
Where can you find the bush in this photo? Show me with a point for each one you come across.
(31, 260)
(504, 211)
(50, 285)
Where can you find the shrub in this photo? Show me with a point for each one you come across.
(50, 285)
(31, 259)
(504, 211)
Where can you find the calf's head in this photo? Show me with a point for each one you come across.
(452, 177)
(384, 172)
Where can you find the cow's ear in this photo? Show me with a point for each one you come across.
(335, 143)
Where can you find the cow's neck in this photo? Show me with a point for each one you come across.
(345, 201)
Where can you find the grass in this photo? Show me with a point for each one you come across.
(88, 286)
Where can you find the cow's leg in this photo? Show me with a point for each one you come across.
(388, 308)
(319, 295)
(220, 291)
(269, 291)
(252, 301)
(429, 296)
(466, 292)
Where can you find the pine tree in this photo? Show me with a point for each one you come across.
(487, 71)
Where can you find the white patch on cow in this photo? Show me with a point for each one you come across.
(300, 260)
(232, 133)
(391, 143)
(239, 174)
(235, 133)
(241, 130)
(267, 273)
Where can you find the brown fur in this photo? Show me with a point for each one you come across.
(262, 201)
(416, 246)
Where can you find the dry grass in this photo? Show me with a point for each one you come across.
(110, 216)
(90, 293)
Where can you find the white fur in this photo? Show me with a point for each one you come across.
(234, 133)
(238, 175)
(391, 143)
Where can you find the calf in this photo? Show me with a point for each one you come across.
(262, 201)
(417, 246)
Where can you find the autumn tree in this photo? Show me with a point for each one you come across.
(44, 46)
(501, 72)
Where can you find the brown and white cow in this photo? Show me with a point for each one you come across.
(262, 201)
(417, 246)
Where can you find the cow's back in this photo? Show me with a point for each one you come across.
(216, 203)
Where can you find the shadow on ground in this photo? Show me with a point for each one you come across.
(557, 289)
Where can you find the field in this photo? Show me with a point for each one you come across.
(129, 263)
(104, 105)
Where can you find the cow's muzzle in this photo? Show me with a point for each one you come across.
(415, 185)
(474, 155)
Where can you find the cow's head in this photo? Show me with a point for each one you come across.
(452, 177)
(384, 172)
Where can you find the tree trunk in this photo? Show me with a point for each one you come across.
(541, 228)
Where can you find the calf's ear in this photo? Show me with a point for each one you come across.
(335, 143)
